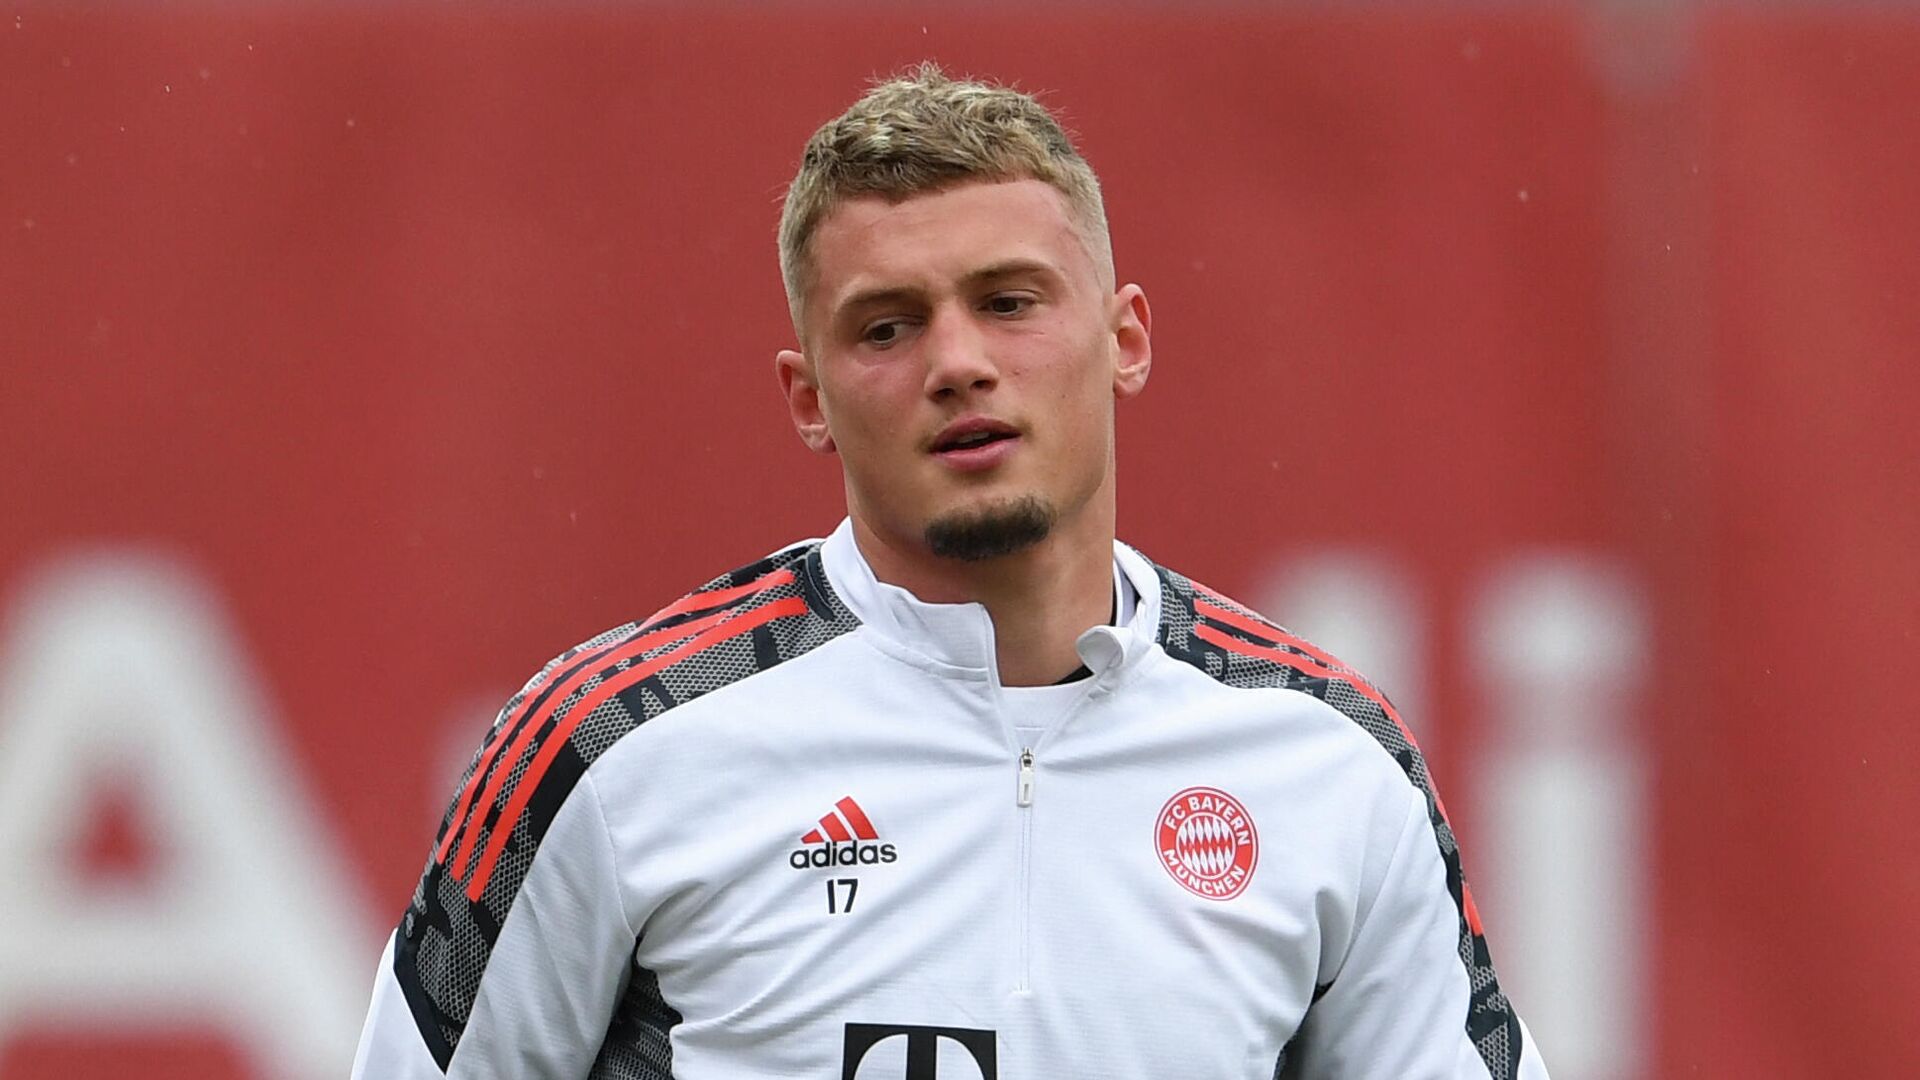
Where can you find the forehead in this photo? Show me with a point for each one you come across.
(942, 236)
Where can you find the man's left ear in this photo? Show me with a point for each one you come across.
(1133, 347)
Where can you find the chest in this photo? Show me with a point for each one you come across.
(1114, 892)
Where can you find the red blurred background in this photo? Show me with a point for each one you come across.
(357, 359)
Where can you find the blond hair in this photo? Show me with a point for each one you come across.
(922, 131)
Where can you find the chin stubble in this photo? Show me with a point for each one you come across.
(990, 532)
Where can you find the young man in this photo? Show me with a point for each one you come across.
(968, 789)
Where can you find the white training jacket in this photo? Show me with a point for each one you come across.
(793, 826)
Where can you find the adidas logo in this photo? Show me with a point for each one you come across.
(838, 841)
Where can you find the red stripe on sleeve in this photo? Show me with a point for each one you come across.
(550, 746)
(1260, 628)
(608, 653)
(630, 648)
(1308, 665)
(494, 743)
(713, 597)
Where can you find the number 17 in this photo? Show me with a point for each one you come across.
(835, 906)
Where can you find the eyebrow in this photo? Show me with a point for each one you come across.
(1011, 268)
(993, 272)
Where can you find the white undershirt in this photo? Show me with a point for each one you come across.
(1034, 709)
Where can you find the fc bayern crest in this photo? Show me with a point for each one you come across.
(1206, 840)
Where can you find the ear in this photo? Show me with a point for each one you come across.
(1132, 344)
(801, 388)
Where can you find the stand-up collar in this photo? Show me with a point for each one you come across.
(958, 638)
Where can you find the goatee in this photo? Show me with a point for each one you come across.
(992, 531)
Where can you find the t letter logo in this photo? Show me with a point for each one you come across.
(923, 1051)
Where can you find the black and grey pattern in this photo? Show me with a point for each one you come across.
(637, 1046)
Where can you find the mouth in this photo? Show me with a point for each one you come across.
(972, 434)
(975, 444)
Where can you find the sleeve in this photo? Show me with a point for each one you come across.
(519, 980)
(1406, 1002)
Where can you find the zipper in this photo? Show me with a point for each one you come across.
(1024, 782)
(1023, 798)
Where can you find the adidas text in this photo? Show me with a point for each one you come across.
(826, 855)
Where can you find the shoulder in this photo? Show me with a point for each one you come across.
(569, 714)
(1239, 647)
(737, 625)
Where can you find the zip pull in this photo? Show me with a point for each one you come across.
(1026, 778)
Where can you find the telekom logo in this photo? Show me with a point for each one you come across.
(918, 1052)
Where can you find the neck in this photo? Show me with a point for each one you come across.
(1041, 599)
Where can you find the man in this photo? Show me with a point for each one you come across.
(967, 789)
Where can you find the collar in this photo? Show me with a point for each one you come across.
(957, 639)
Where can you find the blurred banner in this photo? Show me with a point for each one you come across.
(1558, 365)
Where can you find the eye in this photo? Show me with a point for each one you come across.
(883, 333)
(1008, 303)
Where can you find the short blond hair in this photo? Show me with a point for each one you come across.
(922, 131)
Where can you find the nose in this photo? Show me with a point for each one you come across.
(956, 356)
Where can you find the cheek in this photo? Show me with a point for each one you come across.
(869, 412)
(1090, 403)
(856, 397)
(876, 418)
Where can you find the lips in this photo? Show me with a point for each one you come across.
(972, 433)
(975, 444)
